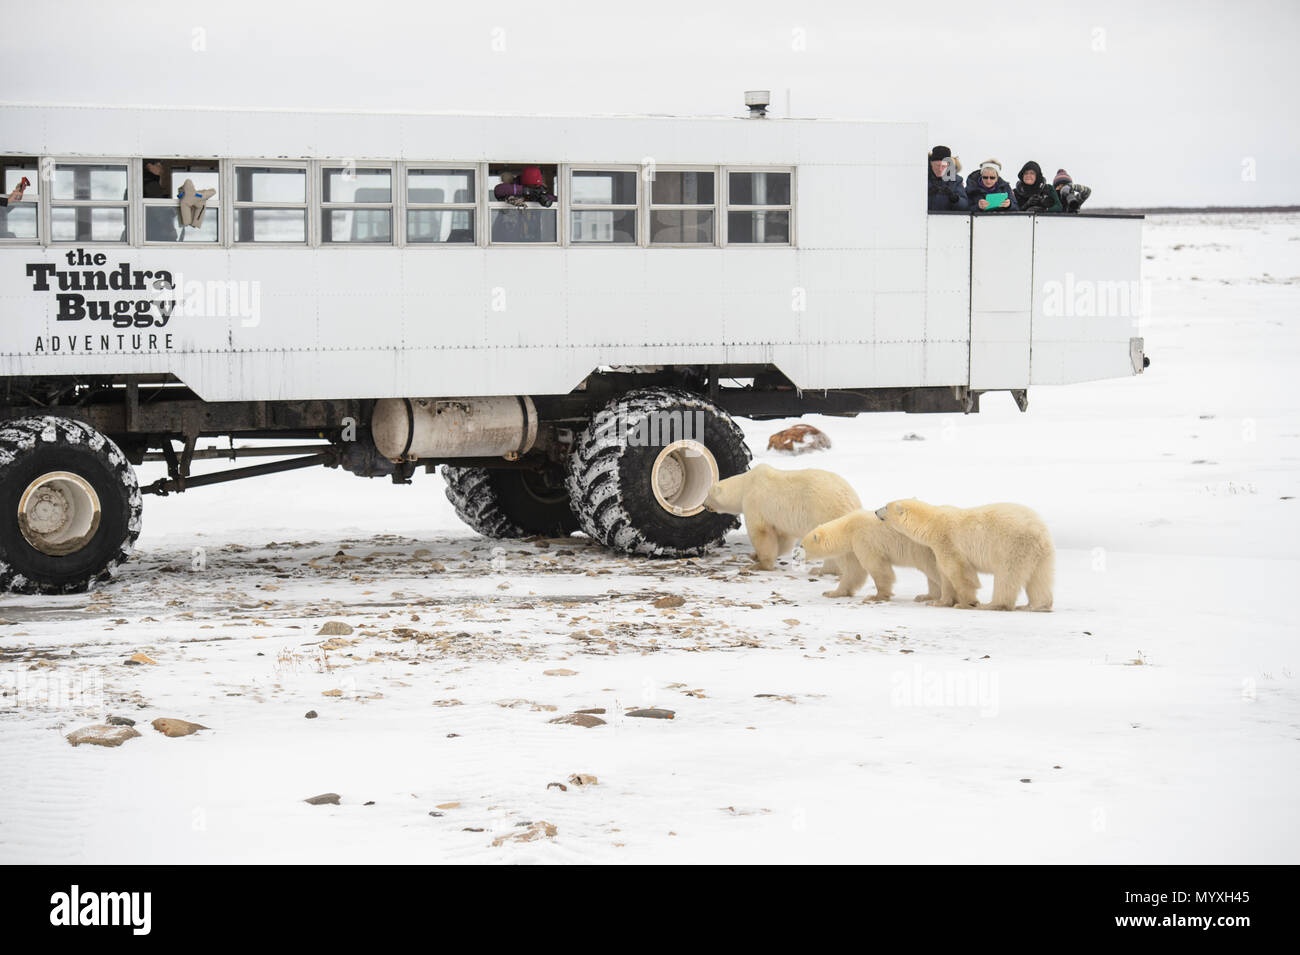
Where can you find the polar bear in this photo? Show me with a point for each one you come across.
(780, 507)
(1009, 541)
(878, 549)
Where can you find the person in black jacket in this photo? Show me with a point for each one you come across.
(1034, 193)
(986, 181)
(944, 185)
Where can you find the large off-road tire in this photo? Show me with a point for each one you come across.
(640, 471)
(500, 502)
(69, 506)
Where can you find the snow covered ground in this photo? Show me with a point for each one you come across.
(1153, 717)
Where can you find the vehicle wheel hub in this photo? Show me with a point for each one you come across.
(682, 475)
(59, 513)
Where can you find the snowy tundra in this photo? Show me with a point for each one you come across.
(1152, 717)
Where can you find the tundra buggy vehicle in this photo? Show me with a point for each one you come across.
(562, 313)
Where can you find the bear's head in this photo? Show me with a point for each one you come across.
(902, 515)
(728, 495)
(825, 540)
(813, 546)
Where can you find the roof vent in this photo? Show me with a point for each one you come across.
(757, 101)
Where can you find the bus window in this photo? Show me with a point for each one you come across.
(18, 220)
(356, 204)
(89, 202)
(529, 221)
(270, 204)
(758, 208)
(604, 206)
(160, 186)
(682, 208)
(440, 205)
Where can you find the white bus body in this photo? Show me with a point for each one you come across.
(871, 292)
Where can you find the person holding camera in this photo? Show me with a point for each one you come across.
(945, 189)
(1071, 193)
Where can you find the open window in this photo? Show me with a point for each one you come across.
(356, 204)
(271, 202)
(89, 202)
(683, 207)
(19, 221)
(530, 216)
(603, 206)
(440, 205)
(161, 181)
(758, 207)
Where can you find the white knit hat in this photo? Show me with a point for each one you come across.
(991, 164)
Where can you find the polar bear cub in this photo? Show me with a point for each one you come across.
(878, 549)
(780, 507)
(1009, 541)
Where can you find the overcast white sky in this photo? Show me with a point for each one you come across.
(1153, 103)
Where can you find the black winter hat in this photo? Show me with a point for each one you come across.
(1038, 172)
(940, 152)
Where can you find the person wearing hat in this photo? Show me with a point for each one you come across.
(946, 192)
(987, 181)
(1033, 193)
(1071, 194)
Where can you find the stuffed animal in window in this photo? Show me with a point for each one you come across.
(194, 203)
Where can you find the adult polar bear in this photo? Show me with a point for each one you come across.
(1009, 541)
(780, 507)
